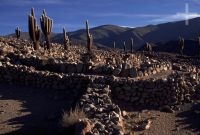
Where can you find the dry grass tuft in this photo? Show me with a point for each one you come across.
(72, 117)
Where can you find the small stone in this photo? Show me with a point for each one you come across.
(124, 113)
(148, 124)
(100, 109)
(2, 112)
(165, 68)
(99, 125)
(83, 127)
(140, 74)
(145, 74)
(92, 106)
(154, 72)
(145, 125)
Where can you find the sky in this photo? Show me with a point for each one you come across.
(72, 14)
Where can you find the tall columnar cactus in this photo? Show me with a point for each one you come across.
(131, 44)
(89, 38)
(34, 31)
(17, 32)
(181, 44)
(46, 26)
(198, 48)
(114, 45)
(148, 47)
(124, 46)
(65, 39)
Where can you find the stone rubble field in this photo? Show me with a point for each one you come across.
(110, 85)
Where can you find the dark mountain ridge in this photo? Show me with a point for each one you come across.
(105, 35)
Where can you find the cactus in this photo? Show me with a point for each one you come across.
(124, 46)
(131, 45)
(34, 31)
(181, 44)
(65, 39)
(17, 32)
(46, 26)
(148, 47)
(89, 38)
(198, 47)
(114, 45)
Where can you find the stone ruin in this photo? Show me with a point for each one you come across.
(103, 83)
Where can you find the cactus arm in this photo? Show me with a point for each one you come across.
(34, 31)
(46, 26)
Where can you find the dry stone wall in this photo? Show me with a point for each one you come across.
(171, 91)
(174, 89)
(74, 84)
(99, 107)
(124, 69)
(97, 94)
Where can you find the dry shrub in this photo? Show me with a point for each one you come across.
(72, 117)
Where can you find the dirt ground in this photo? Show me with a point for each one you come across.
(38, 111)
(182, 122)
(27, 111)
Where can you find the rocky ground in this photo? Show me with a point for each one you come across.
(121, 93)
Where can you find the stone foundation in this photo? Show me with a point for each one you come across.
(99, 95)
(175, 89)
(172, 90)
(122, 70)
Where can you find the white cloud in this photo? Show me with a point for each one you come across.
(175, 17)
(125, 15)
(127, 26)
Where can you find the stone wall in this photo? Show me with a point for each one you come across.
(170, 91)
(174, 89)
(99, 95)
(123, 70)
(98, 106)
(73, 84)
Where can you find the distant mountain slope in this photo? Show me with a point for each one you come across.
(105, 35)
(172, 30)
(190, 48)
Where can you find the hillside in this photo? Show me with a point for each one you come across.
(105, 35)
(172, 30)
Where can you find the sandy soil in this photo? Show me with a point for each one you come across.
(181, 122)
(31, 111)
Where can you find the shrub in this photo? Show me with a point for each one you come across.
(72, 117)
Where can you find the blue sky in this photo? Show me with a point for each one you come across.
(72, 14)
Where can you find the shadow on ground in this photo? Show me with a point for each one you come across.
(190, 117)
(43, 109)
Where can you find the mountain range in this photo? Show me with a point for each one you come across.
(160, 35)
